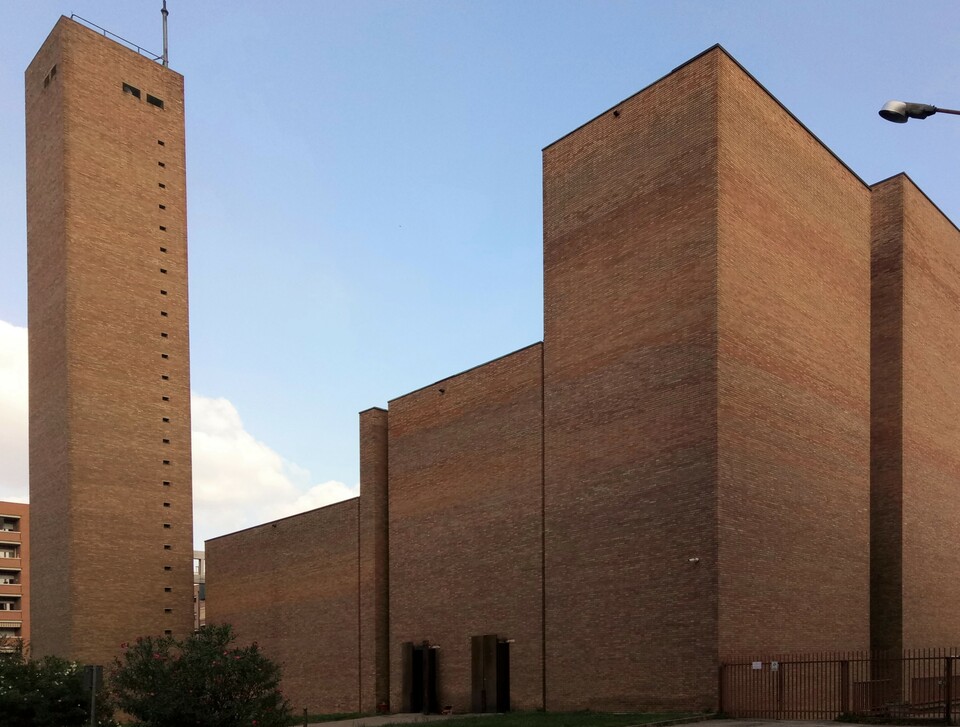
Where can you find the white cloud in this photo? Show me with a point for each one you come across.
(13, 413)
(238, 481)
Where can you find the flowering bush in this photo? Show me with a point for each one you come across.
(45, 692)
(202, 681)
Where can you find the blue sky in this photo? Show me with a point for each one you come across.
(364, 187)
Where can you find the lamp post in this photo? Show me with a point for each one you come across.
(900, 112)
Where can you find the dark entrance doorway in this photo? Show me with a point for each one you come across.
(420, 665)
(490, 660)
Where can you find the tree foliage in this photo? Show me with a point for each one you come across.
(202, 681)
(45, 692)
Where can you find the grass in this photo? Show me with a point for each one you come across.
(563, 719)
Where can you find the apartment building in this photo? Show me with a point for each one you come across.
(14, 574)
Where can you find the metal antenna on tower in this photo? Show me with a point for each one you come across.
(164, 13)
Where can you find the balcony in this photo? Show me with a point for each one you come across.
(10, 589)
(8, 537)
(9, 563)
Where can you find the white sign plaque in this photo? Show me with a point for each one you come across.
(758, 665)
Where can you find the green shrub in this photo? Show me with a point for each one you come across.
(202, 681)
(45, 692)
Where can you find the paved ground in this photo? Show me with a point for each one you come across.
(402, 718)
(772, 723)
(417, 718)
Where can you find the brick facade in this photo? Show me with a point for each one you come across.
(374, 562)
(794, 382)
(292, 586)
(465, 524)
(916, 339)
(14, 575)
(630, 235)
(110, 474)
(710, 453)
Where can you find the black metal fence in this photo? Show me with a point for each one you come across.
(919, 684)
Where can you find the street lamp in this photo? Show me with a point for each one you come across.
(900, 112)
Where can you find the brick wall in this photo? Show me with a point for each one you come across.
(886, 419)
(374, 561)
(916, 269)
(110, 478)
(465, 523)
(931, 423)
(793, 375)
(46, 282)
(630, 235)
(292, 586)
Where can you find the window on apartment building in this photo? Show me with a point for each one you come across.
(163, 271)
(166, 441)
(164, 377)
(9, 553)
(168, 589)
(166, 504)
(164, 355)
(167, 526)
(168, 567)
(155, 101)
(166, 483)
(160, 142)
(168, 610)
(8, 579)
(162, 185)
(167, 632)
(132, 90)
(167, 546)
(163, 292)
(163, 313)
(10, 524)
(166, 461)
(166, 420)
(164, 334)
(163, 249)
(162, 206)
(161, 164)
(165, 398)
(162, 228)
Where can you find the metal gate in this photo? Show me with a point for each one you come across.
(912, 685)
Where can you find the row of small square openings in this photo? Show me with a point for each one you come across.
(163, 334)
(135, 92)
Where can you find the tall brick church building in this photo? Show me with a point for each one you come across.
(741, 433)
